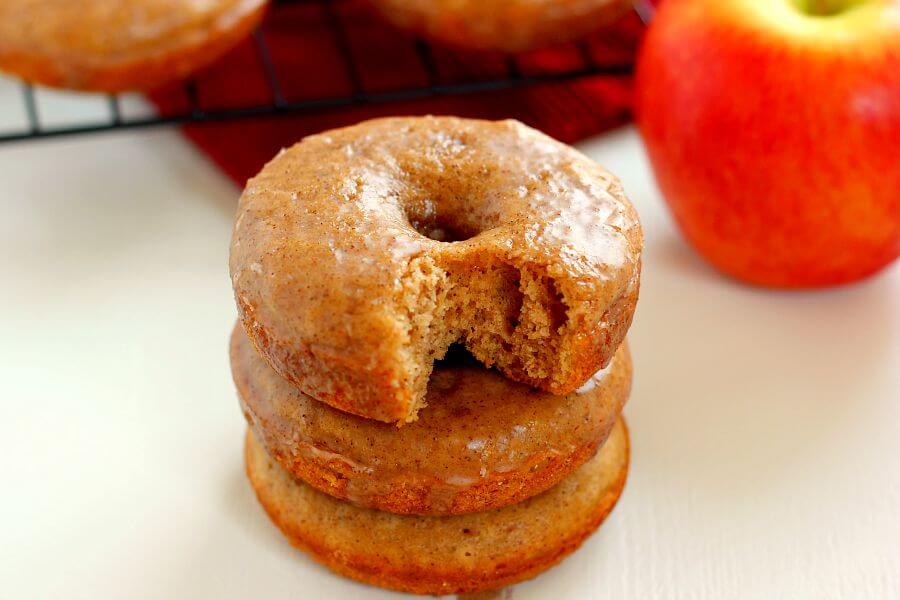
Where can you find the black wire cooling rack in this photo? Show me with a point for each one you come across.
(511, 76)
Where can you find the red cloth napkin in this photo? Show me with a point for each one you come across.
(309, 65)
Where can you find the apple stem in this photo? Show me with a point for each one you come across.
(823, 8)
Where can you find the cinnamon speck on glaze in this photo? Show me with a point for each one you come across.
(361, 254)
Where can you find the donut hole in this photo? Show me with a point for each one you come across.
(428, 218)
(441, 231)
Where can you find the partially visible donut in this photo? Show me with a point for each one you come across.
(118, 45)
(360, 254)
(505, 25)
(481, 443)
(443, 555)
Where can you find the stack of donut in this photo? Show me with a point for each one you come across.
(359, 258)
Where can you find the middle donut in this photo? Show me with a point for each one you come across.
(482, 441)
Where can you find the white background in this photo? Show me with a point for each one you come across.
(766, 425)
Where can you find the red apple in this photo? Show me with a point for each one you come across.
(773, 128)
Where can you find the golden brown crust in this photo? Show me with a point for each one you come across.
(443, 555)
(349, 283)
(481, 443)
(505, 25)
(114, 46)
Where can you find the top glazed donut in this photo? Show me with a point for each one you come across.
(505, 25)
(360, 254)
(116, 45)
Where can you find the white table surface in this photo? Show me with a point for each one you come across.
(765, 425)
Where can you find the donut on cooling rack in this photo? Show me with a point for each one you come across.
(118, 45)
(361, 254)
(481, 443)
(443, 555)
(505, 25)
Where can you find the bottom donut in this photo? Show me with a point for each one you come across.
(443, 555)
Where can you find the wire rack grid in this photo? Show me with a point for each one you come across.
(511, 76)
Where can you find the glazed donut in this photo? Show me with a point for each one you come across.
(117, 45)
(360, 255)
(482, 442)
(505, 25)
(443, 555)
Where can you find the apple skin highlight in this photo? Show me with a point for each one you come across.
(774, 134)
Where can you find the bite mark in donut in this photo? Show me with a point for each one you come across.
(514, 317)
